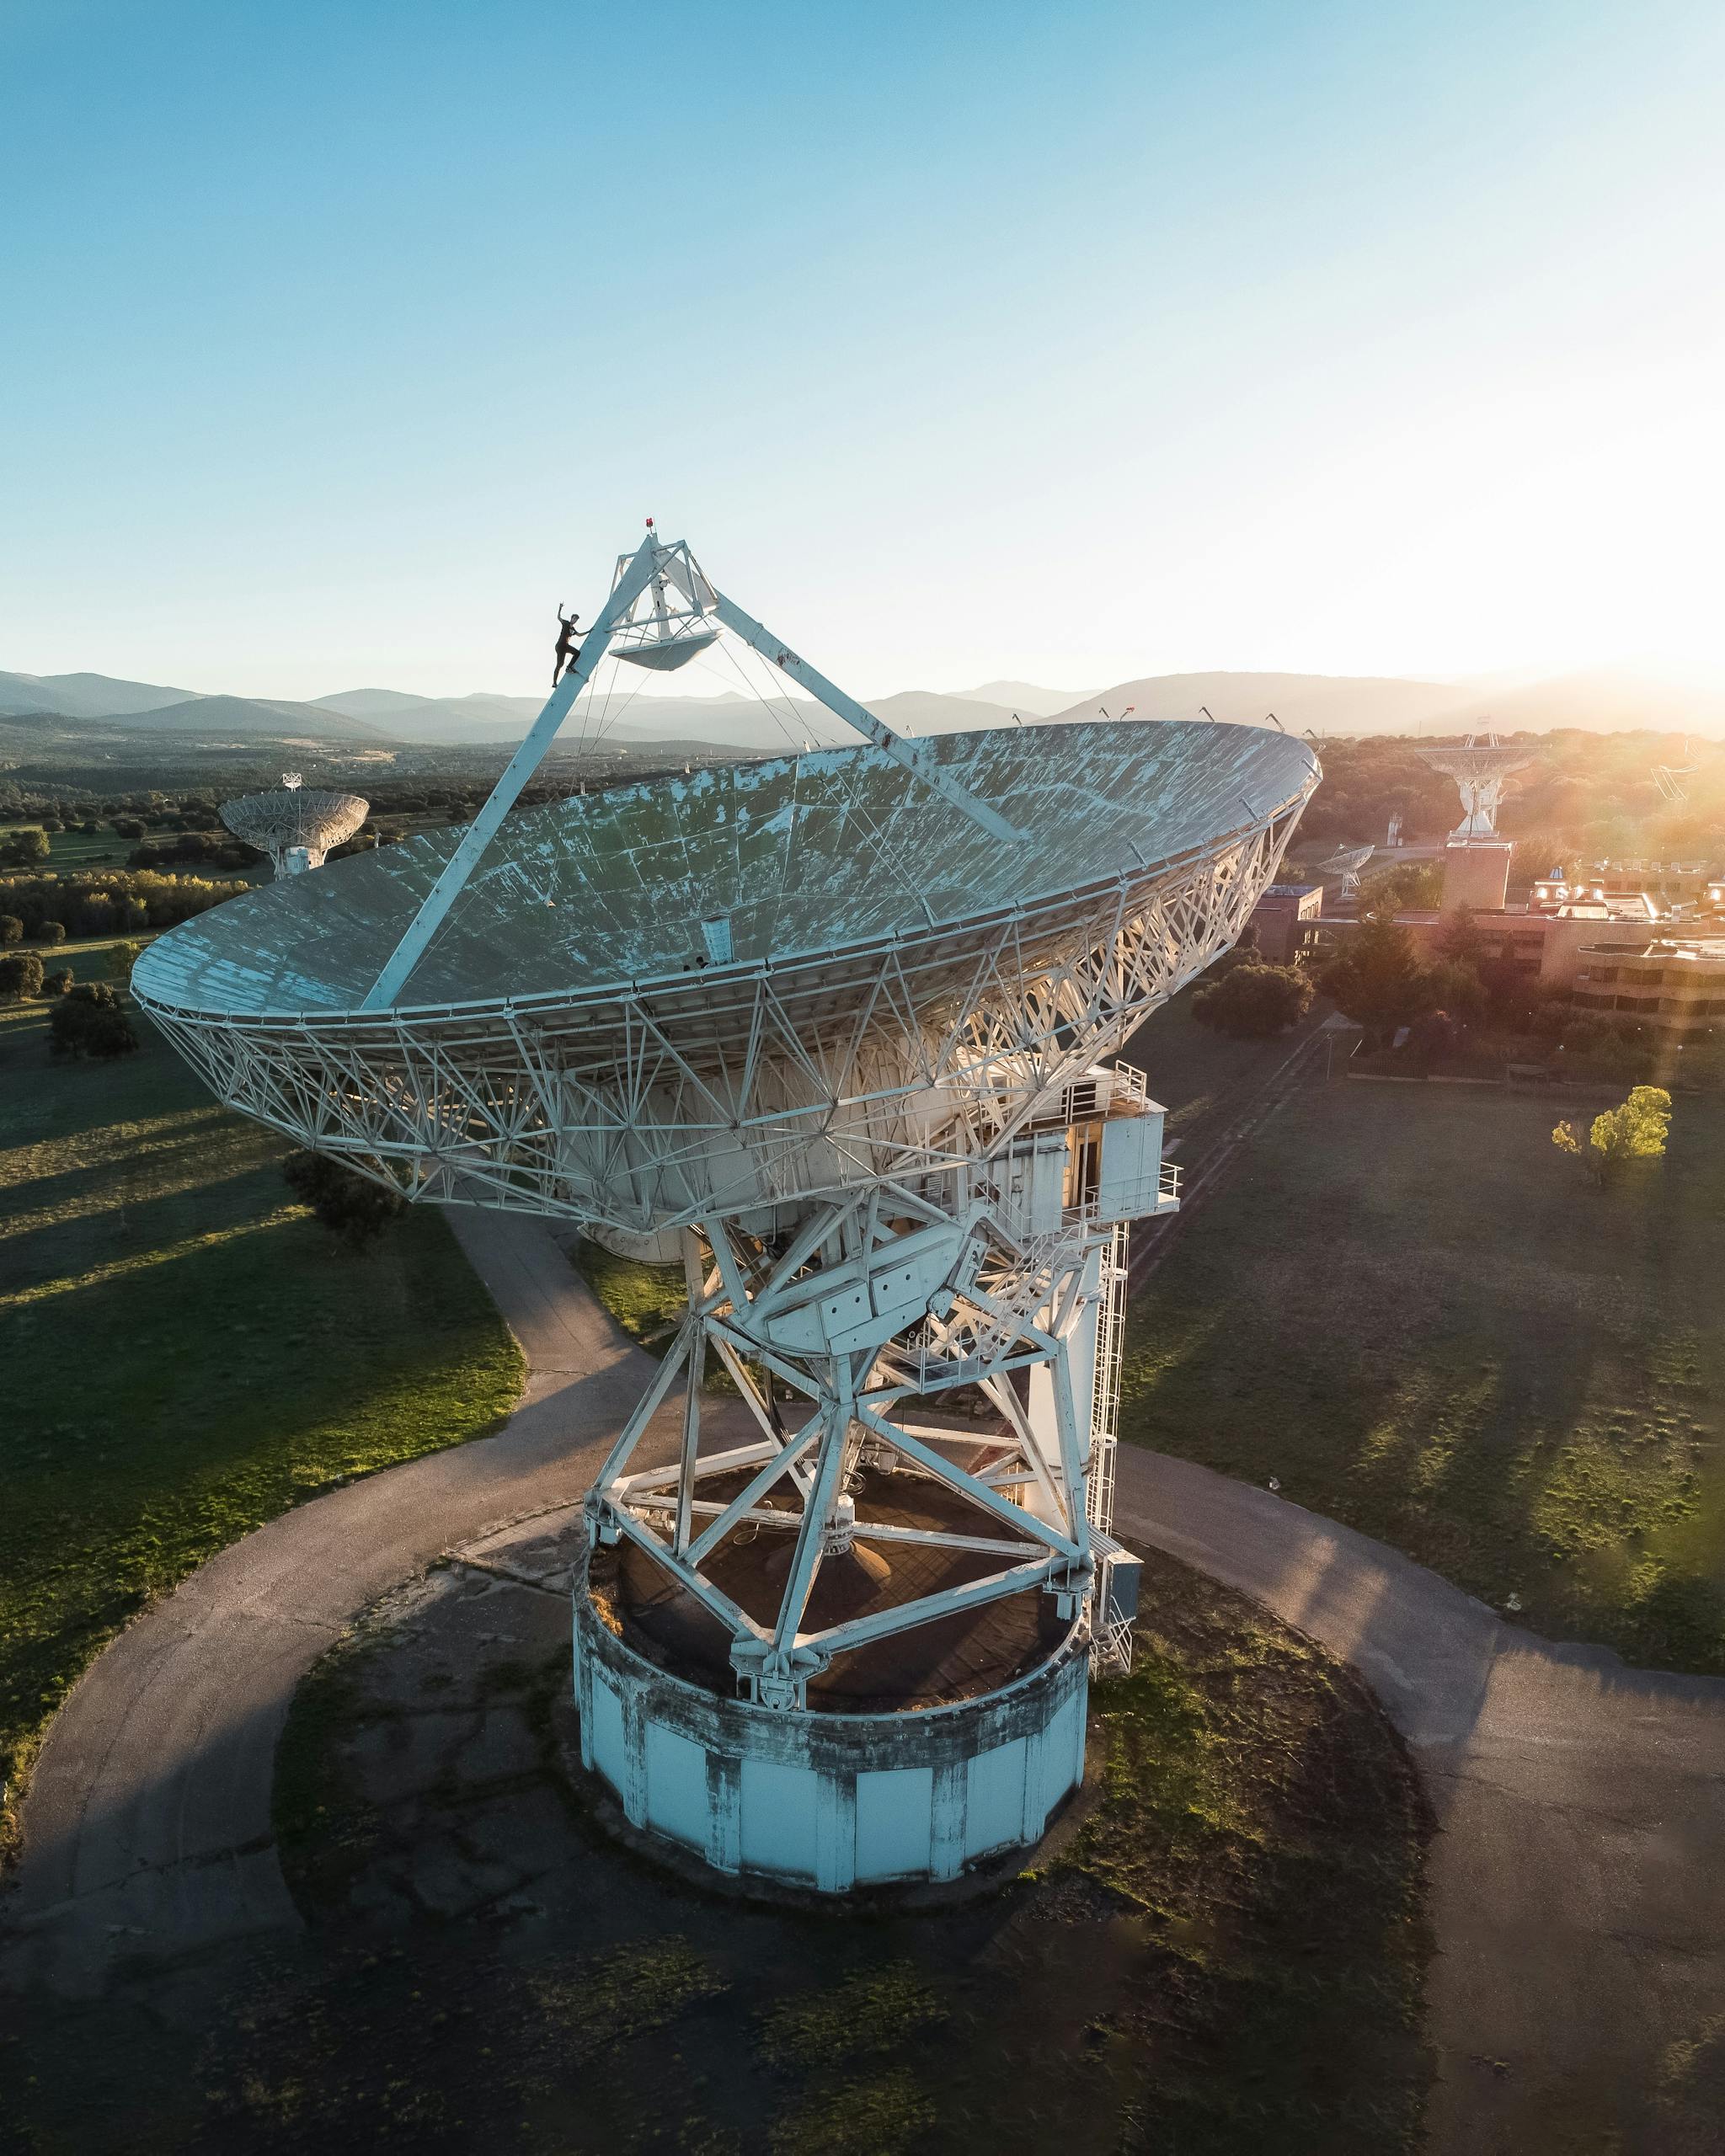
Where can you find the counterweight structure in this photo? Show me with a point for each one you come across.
(296, 826)
(839, 1021)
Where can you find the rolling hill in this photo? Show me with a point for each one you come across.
(81, 696)
(1327, 703)
(228, 717)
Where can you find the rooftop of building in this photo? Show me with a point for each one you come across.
(1688, 950)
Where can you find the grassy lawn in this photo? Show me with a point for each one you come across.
(186, 1353)
(1203, 1078)
(1408, 1308)
(648, 1302)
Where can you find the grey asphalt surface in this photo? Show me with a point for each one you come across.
(1578, 1876)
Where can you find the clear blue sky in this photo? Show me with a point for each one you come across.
(1069, 342)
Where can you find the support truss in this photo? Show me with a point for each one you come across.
(869, 1312)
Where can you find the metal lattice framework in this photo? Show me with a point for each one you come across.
(295, 826)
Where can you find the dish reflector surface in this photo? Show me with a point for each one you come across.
(819, 853)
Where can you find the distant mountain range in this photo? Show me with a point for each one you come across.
(1600, 700)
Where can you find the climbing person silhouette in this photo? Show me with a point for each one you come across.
(568, 650)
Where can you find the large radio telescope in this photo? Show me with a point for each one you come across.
(837, 1020)
(1481, 769)
(296, 826)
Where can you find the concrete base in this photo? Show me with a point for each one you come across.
(830, 1801)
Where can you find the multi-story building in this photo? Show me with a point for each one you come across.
(1281, 918)
(1675, 983)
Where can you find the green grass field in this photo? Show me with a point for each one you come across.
(69, 850)
(1201, 1077)
(186, 1353)
(1406, 1305)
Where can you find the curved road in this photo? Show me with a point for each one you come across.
(1579, 1878)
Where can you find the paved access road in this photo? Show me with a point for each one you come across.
(1579, 1874)
(1579, 1877)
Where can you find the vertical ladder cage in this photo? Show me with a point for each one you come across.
(1112, 1642)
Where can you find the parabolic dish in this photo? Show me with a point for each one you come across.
(1477, 763)
(288, 816)
(580, 986)
(814, 856)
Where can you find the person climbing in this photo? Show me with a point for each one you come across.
(568, 650)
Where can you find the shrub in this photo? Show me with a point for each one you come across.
(24, 849)
(88, 1020)
(121, 958)
(1636, 1131)
(20, 976)
(1251, 1002)
(349, 1205)
(56, 984)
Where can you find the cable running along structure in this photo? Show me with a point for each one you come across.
(874, 1113)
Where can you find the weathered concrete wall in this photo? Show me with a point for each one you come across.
(828, 1801)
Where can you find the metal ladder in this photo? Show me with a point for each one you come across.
(1111, 1648)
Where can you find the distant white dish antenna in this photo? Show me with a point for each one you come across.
(1346, 863)
(1481, 767)
(297, 825)
(1670, 778)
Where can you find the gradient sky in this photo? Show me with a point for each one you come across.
(1068, 343)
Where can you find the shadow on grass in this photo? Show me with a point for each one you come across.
(1412, 1317)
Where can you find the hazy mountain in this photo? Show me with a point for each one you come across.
(376, 703)
(1023, 697)
(1604, 699)
(1328, 703)
(925, 711)
(82, 696)
(227, 715)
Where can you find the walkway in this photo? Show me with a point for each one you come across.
(1578, 1876)
(1579, 1879)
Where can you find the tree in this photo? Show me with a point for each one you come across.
(88, 1020)
(351, 1206)
(121, 958)
(11, 928)
(1412, 883)
(1636, 1131)
(1457, 989)
(56, 984)
(48, 932)
(1459, 940)
(24, 849)
(1378, 980)
(20, 977)
(1252, 1001)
